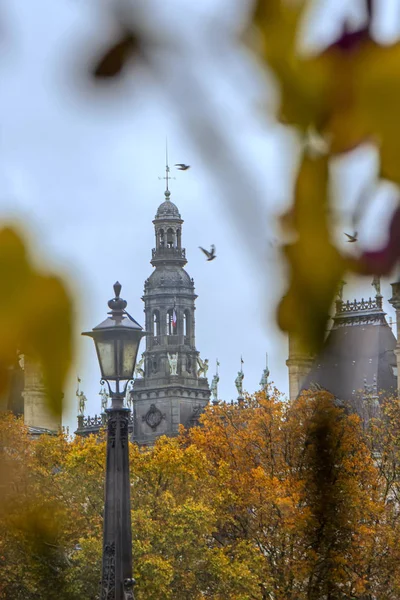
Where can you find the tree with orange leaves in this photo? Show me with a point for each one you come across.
(303, 490)
(266, 500)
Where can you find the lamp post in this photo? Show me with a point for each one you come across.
(117, 342)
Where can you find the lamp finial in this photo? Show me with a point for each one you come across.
(117, 304)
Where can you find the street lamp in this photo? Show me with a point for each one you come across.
(117, 342)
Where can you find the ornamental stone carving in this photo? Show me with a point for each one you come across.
(153, 417)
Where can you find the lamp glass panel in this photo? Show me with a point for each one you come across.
(106, 354)
(129, 352)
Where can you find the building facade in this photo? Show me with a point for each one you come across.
(358, 360)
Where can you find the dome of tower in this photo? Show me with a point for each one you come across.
(168, 210)
(169, 276)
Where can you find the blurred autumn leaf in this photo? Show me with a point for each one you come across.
(348, 93)
(112, 63)
(316, 266)
(35, 318)
(304, 83)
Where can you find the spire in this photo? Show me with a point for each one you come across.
(166, 166)
(167, 177)
(168, 228)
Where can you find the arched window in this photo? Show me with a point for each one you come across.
(170, 238)
(156, 323)
(186, 323)
(161, 239)
(171, 322)
(178, 238)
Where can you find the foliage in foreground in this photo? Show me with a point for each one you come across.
(267, 500)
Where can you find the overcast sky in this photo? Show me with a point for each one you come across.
(79, 170)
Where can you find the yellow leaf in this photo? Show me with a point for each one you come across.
(349, 95)
(305, 83)
(316, 266)
(365, 96)
(35, 318)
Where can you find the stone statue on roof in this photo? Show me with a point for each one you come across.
(139, 371)
(203, 367)
(214, 388)
(81, 399)
(376, 283)
(265, 375)
(104, 399)
(128, 395)
(239, 383)
(340, 290)
(173, 363)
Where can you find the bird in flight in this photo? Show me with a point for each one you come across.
(352, 238)
(210, 255)
(182, 167)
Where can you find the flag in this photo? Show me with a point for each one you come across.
(174, 318)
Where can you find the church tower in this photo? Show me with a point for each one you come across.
(171, 390)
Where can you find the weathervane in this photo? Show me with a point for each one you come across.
(167, 169)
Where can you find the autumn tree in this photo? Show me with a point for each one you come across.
(302, 491)
(33, 523)
(267, 499)
(51, 518)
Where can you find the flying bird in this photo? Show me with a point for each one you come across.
(210, 255)
(182, 167)
(352, 238)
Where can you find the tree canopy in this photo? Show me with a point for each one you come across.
(265, 500)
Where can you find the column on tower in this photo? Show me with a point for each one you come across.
(36, 412)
